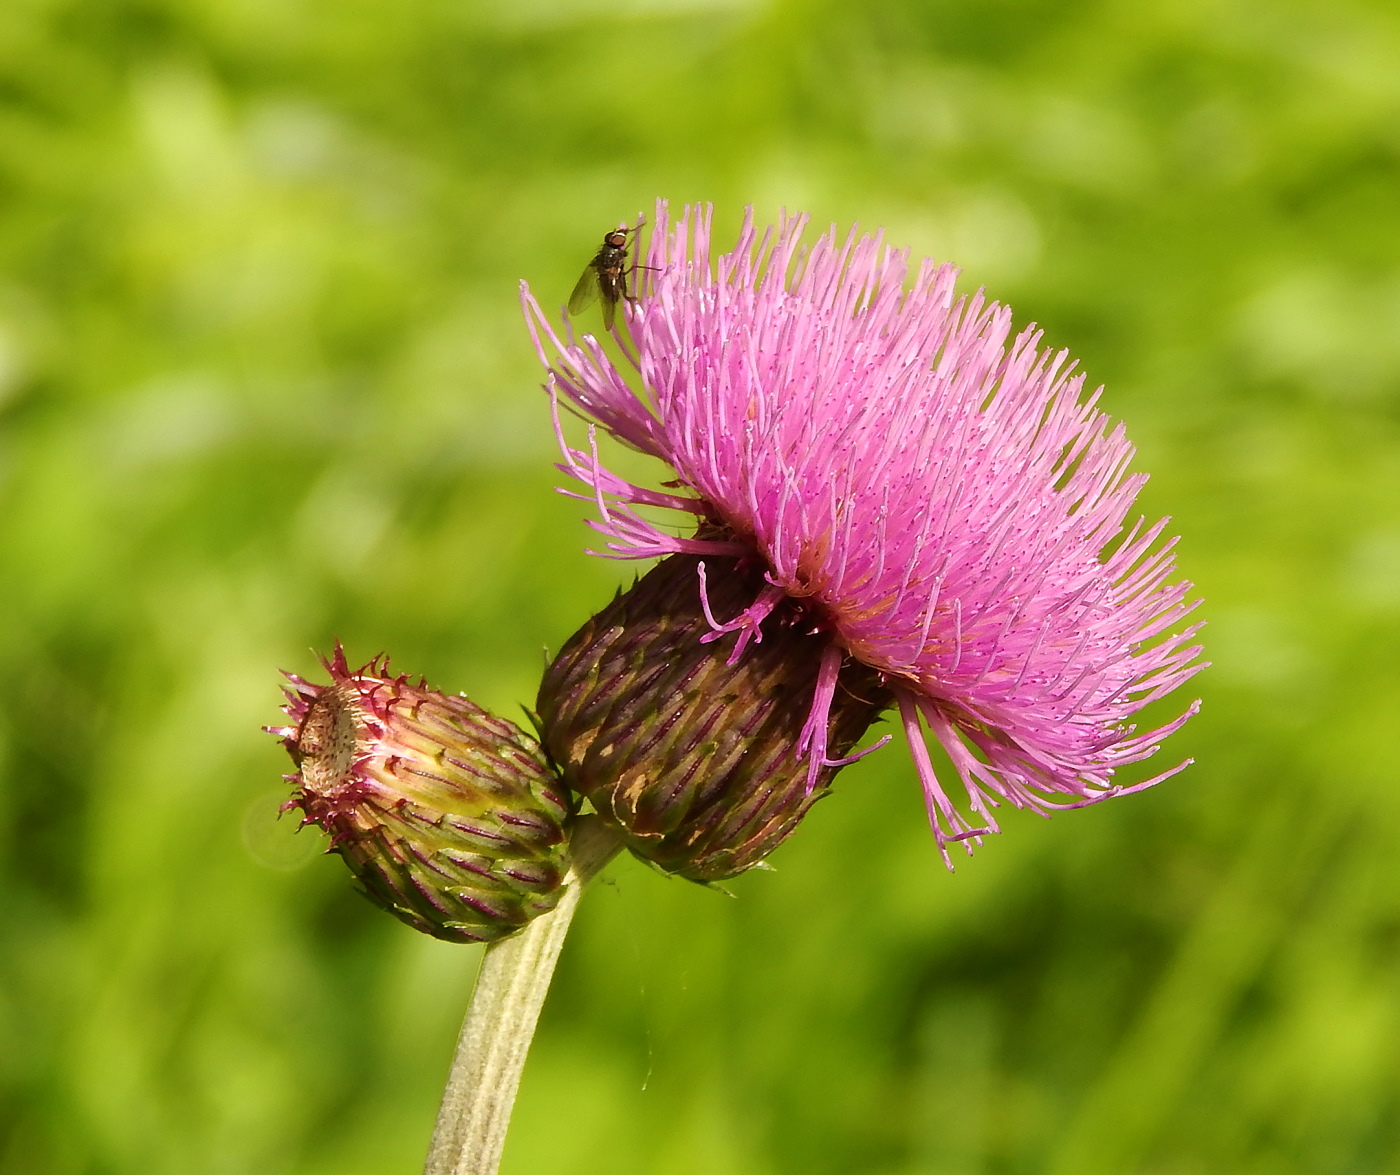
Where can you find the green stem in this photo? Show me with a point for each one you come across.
(506, 1001)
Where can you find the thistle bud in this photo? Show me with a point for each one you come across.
(696, 761)
(449, 817)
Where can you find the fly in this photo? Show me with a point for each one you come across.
(605, 278)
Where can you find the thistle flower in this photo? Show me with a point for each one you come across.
(448, 816)
(939, 499)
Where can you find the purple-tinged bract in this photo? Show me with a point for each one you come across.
(941, 497)
(447, 815)
(692, 756)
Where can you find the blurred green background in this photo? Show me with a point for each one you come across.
(265, 384)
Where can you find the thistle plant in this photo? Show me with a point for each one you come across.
(938, 500)
(882, 502)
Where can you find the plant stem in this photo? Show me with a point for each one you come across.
(510, 989)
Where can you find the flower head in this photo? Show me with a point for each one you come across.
(448, 816)
(939, 497)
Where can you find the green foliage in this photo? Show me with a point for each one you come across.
(265, 384)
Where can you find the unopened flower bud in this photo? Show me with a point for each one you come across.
(696, 761)
(447, 815)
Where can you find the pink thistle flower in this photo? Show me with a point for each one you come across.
(944, 503)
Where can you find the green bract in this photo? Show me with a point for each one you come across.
(447, 815)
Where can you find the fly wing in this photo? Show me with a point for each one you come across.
(585, 292)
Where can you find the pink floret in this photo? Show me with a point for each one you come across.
(942, 496)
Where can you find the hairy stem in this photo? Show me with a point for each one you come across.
(505, 1006)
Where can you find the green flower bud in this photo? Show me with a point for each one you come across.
(448, 816)
(694, 760)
